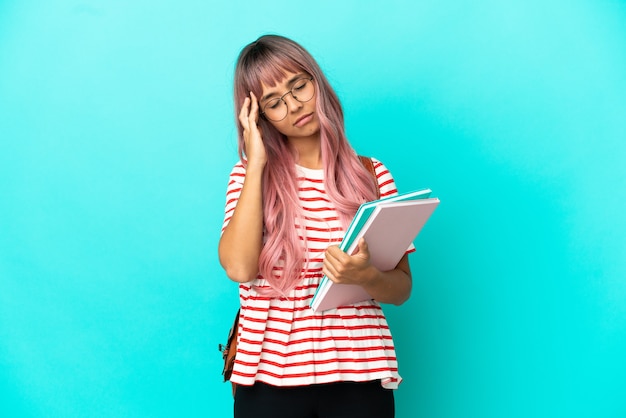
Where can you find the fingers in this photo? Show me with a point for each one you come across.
(340, 267)
(362, 250)
(249, 113)
(254, 109)
(330, 274)
(330, 260)
(336, 264)
(243, 114)
(334, 255)
(254, 148)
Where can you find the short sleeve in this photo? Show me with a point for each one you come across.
(387, 186)
(386, 183)
(233, 191)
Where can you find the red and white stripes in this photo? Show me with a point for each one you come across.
(282, 342)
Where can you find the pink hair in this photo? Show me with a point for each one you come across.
(347, 182)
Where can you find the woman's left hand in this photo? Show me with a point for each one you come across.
(349, 269)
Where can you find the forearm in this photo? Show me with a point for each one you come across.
(242, 240)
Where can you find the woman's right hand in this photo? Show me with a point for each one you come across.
(242, 240)
(248, 117)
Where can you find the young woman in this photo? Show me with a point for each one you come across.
(289, 200)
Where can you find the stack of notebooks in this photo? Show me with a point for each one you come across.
(389, 226)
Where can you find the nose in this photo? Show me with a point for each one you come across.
(292, 103)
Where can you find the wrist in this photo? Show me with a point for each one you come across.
(372, 277)
(255, 165)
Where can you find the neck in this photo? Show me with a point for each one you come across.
(309, 152)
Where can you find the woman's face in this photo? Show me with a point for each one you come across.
(292, 98)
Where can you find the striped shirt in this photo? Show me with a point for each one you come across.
(281, 341)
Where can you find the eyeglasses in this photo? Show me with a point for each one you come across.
(276, 109)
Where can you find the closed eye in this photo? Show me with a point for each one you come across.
(273, 104)
(300, 84)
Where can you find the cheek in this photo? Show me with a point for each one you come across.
(265, 124)
(272, 127)
(281, 126)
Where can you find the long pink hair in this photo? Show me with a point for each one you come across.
(347, 182)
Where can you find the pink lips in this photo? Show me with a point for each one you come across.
(303, 120)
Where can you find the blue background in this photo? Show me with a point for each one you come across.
(117, 136)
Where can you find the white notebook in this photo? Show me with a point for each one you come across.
(389, 232)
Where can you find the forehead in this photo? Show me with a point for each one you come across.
(281, 83)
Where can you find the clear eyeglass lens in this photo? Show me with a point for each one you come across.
(302, 91)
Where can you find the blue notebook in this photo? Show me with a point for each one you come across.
(366, 209)
(389, 226)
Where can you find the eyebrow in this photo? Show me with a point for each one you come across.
(289, 84)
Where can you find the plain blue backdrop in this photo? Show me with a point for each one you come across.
(117, 136)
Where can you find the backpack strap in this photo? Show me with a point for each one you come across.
(369, 165)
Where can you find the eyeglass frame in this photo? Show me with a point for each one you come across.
(282, 99)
